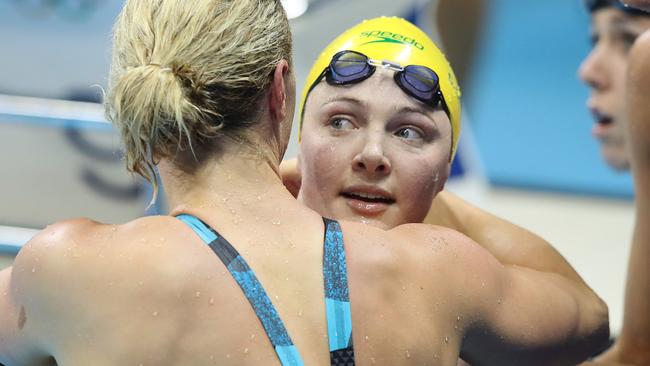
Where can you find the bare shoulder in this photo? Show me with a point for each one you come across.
(423, 247)
(68, 256)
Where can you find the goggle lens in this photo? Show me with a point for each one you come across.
(418, 81)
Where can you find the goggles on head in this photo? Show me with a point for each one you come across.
(594, 5)
(349, 67)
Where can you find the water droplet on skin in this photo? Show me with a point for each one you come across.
(197, 294)
(245, 350)
(408, 354)
(300, 313)
(458, 318)
(228, 355)
(155, 313)
(403, 287)
(277, 222)
(259, 198)
(33, 269)
(366, 338)
(212, 301)
(499, 301)
(252, 336)
(446, 339)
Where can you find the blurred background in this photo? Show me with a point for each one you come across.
(526, 151)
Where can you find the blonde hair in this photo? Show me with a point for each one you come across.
(187, 72)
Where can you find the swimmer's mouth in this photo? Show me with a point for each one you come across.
(369, 197)
(601, 118)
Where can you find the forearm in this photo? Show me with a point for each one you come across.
(538, 318)
(634, 340)
(509, 243)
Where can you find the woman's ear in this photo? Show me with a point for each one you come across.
(278, 92)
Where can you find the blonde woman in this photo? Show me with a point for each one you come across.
(239, 272)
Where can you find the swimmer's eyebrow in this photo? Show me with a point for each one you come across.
(623, 24)
(340, 98)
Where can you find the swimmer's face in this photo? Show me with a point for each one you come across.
(604, 70)
(371, 153)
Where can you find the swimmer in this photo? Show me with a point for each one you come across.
(381, 170)
(614, 30)
(617, 72)
(204, 91)
(326, 167)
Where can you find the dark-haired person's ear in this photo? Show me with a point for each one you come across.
(278, 91)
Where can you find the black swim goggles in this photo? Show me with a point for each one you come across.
(594, 5)
(420, 82)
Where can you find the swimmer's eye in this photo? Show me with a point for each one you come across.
(341, 124)
(628, 39)
(409, 133)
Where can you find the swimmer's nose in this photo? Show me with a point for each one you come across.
(592, 71)
(372, 160)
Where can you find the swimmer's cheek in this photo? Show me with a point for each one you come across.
(638, 95)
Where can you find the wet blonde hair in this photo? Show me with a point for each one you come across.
(186, 73)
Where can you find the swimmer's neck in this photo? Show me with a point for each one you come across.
(230, 177)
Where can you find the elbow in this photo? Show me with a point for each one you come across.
(594, 327)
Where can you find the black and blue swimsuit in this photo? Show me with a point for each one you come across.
(337, 297)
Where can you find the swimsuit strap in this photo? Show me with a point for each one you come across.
(252, 288)
(337, 296)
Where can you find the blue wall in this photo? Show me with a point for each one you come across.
(527, 106)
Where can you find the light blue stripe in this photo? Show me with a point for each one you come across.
(289, 355)
(10, 249)
(56, 122)
(201, 230)
(339, 323)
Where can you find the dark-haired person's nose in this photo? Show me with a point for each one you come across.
(592, 71)
(371, 160)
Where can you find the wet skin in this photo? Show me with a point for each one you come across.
(374, 154)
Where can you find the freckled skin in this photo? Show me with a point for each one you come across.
(368, 150)
(22, 318)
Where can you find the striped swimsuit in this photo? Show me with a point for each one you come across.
(337, 299)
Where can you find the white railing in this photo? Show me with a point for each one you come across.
(13, 238)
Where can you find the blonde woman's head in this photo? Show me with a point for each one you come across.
(188, 75)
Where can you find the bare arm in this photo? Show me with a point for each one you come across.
(18, 344)
(290, 175)
(633, 345)
(508, 315)
(509, 243)
(524, 316)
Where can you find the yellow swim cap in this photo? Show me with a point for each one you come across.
(397, 40)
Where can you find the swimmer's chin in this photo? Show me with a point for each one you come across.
(369, 221)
